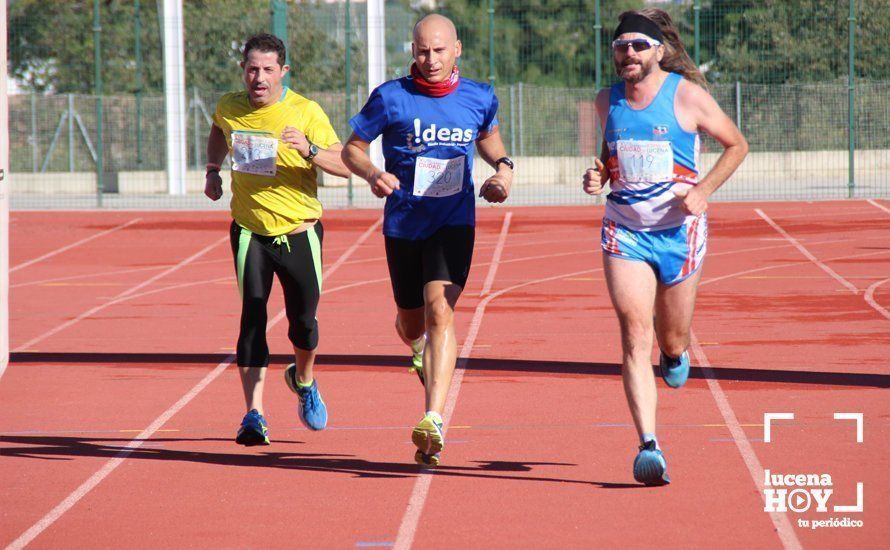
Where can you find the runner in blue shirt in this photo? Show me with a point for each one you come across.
(430, 122)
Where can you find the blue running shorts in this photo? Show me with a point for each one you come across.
(674, 253)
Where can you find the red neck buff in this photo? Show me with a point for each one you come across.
(435, 89)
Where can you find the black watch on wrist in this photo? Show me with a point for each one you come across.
(504, 160)
(313, 150)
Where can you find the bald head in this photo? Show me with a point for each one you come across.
(435, 47)
(435, 24)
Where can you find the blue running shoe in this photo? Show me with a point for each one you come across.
(649, 466)
(313, 412)
(253, 430)
(674, 372)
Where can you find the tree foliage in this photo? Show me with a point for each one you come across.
(775, 41)
(51, 44)
(543, 42)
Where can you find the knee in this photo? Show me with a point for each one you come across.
(674, 347)
(253, 303)
(636, 331)
(438, 314)
(636, 338)
(411, 325)
(303, 333)
(673, 343)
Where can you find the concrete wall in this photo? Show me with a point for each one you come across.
(872, 168)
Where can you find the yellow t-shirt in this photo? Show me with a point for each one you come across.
(274, 189)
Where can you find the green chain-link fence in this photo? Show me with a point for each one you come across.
(780, 69)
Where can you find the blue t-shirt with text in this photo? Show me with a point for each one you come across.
(428, 144)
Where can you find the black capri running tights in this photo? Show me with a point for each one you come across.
(296, 261)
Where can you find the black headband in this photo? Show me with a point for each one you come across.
(635, 22)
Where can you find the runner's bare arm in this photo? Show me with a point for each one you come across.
(697, 104)
(491, 148)
(217, 149)
(596, 177)
(327, 159)
(355, 157)
(331, 162)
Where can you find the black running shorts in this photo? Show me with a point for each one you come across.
(444, 256)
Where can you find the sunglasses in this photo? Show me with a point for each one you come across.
(638, 44)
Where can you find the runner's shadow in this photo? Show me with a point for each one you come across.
(503, 466)
(479, 365)
(69, 448)
(605, 485)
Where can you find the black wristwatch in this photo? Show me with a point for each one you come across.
(504, 160)
(313, 150)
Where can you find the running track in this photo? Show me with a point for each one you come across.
(119, 406)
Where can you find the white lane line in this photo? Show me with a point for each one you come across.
(850, 286)
(105, 274)
(496, 257)
(780, 521)
(870, 298)
(349, 251)
(25, 538)
(878, 205)
(411, 518)
(136, 442)
(407, 530)
(792, 264)
(525, 258)
(73, 245)
(119, 298)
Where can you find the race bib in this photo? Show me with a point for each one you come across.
(438, 177)
(254, 152)
(645, 161)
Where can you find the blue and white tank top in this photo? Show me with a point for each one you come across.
(649, 154)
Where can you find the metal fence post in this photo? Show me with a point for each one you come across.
(35, 155)
(100, 146)
(851, 108)
(348, 90)
(491, 42)
(598, 71)
(279, 29)
(137, 31)
(197, 123)
(696, 9)
(738, 104)
(513, 118)
(521, 132)
(70, 132)
(597, 35)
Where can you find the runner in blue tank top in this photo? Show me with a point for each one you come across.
(430, 122)
(654, 229)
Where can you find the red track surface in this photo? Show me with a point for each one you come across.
(111, 333)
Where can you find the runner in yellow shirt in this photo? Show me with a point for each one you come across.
(276, 138)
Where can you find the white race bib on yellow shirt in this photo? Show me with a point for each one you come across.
(254, 152)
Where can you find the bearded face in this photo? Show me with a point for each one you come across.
(636, 60)
(633, 69)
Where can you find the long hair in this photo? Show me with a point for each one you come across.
(675, 59)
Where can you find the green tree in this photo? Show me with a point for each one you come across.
(545, 42)
(51, 44)
(774, 41)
